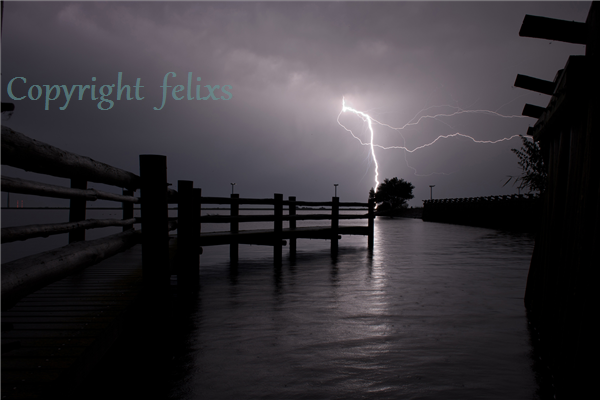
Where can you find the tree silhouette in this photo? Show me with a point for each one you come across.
(535, 172)
(392, 194)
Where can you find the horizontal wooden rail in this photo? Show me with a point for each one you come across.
(22, 186)
(28, 274)
(225, 200)
(266, 218)
(13, 234)
(29, 154)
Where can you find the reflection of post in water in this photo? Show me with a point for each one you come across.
(278, 279)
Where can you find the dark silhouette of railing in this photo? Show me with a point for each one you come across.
(514, 212)
(28, 274)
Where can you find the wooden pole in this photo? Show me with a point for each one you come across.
(77, 211)
(278, 229)
(127, 209)
(187, 238)
(371, 223)
(155, 235)
(234, 228)
(292, 212)
(197, 196)
(335, 221)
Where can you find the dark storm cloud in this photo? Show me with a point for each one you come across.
(289, 64)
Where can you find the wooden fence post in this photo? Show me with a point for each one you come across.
(234, 228)
(335, 221)
(77, 211)
(127, 209)
(197, 196)
(187, 237)
(371, 223)
(292, 212)
(278, 228)
(155, 226)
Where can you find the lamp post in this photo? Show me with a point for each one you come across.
(431, 192)
(336, 185)
(232, 185)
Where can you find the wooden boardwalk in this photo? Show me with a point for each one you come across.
(53, 337)
(63, 309)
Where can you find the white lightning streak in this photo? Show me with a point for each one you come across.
(365, 117)
(370, 120)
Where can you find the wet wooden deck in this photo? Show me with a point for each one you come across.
(52, 338)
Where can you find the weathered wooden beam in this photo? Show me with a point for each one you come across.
(335, 222)
(23, 186)
(264, 218)
(554, 29)
(188, 231)
(155, 224)
(278, 228)
(260, 242)
(292, 224)
(535, 84)
(234, 227)
(29, 154)
(533, 111)
(371, 226)
(13, 234)
(225, 200)
(23, 276)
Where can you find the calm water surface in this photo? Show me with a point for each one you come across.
(435, 312)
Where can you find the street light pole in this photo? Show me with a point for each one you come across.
(431, 192)
(336, 185)
(232, 185)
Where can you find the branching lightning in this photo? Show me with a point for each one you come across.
(414, 121)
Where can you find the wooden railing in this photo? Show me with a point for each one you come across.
(22, 276)
(30, 273)
(512, 212)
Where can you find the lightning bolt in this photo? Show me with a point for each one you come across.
(365, 117)
(414, 121)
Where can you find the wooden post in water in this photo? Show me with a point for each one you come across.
(127, 209)
(371, 223)
(188, 215)
(234, 227)
(155, 225)
(292, 212)
(335, 221)
(278, 229)
(77, 211)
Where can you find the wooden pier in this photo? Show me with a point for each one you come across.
(561, 295)
(64, 308)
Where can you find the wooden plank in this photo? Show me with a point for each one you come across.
(533, 111)
(535, 84)
(324, 232)
(23, 152)
(13, 234)
(266, 218)
(553, 29)
(52, 341)
(155, 222)
(27, 274)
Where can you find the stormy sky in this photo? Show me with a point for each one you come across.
(287, 66)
